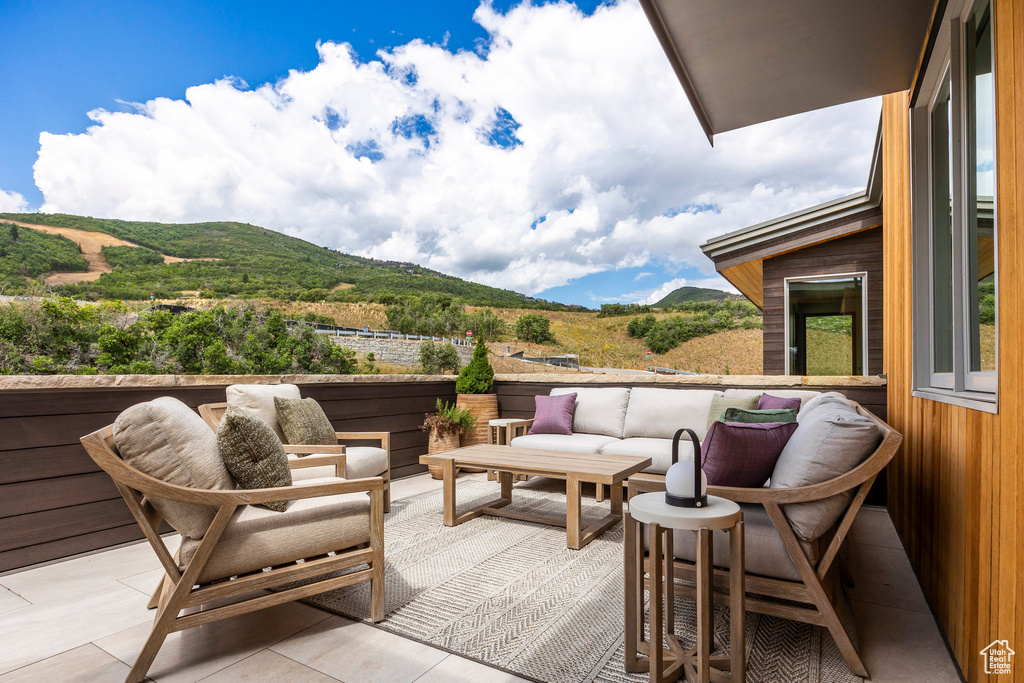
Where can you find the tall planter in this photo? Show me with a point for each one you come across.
(439, 442)
(484, 408)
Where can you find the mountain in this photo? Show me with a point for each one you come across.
(691, 294)
(221, 259)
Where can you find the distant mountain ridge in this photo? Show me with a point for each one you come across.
(245, 260)
(694, 294)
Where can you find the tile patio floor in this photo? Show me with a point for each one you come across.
(85, 619)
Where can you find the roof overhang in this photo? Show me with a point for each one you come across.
(747, 61)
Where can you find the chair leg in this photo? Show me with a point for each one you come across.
(387, 496)
(154, 600)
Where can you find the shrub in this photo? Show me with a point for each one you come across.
(639, 327)
(535, 328)
(478, 375)
(437, 359)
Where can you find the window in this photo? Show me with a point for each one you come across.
(826, 330)
(954, 213)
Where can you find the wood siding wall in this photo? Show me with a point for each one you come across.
(860, 252)
(55, 502)
(956, 491)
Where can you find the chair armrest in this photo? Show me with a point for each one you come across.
(303, 450)
(519, 424)
(320, 460)
(383, 437)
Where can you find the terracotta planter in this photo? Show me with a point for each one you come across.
(439, 443)
(485, 408)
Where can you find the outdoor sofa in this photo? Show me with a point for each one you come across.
(795, 524)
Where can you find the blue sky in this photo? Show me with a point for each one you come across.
(540, 148)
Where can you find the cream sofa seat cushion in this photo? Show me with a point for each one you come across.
(256, 537)
(259, 400)
(166, 439)
(830, 441)
(658, 413)
(598, 410)
(765, 553)
(569, 443)
(658, 450)
(360, 462)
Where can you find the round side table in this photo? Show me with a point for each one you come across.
(497, 430)
(663, 520)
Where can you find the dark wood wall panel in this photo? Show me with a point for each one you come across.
(860, 252)
(54, 501)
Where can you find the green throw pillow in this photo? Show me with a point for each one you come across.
(253, 453)
(720, 403)
(304, 423)
(755, 416)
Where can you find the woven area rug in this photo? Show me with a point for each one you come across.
(511, 595)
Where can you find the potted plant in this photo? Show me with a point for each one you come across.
(444, 426)
(473, 387)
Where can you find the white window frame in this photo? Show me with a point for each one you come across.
(972, 389)
(864, 311)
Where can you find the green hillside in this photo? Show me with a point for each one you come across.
(692, 294)
(252, 262)
(30, 253)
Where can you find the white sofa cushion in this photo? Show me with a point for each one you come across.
(658, 413)
(658, 450)
(598, 410)
(360, 462)
(804, 395)
(570, 443)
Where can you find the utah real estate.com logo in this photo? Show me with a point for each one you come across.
(997, 657)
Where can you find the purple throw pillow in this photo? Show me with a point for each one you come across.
(769, 402)
(743, 455)
(553, 414)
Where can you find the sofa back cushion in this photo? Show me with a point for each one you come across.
(744, 454)
(831, 440)
(659, 413)
(165, 439)
(804, 395)
(598, 410)
(258, 399)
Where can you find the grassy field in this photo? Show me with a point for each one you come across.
(829, 353)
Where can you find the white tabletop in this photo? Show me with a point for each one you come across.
(651, 508)
(501, 422)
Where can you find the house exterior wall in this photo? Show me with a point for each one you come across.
(860, 252)
(956, 490)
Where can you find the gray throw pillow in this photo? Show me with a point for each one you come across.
(253, 453)
(831, 440)
(719, 404)
(303, 422)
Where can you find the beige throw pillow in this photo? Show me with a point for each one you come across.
(303, 422)
(253, 453)
(719, 404)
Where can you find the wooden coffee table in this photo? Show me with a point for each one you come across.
(574, 468)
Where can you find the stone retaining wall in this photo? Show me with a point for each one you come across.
(394, 351)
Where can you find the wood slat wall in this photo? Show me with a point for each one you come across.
(55, 502)
(955, 490)
(860, 252)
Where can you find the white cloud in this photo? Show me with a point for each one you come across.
(391, 158)
(12, 202)
(641, 276)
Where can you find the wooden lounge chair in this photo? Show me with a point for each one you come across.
(816, 584)
(222, 565)
(360, 460)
